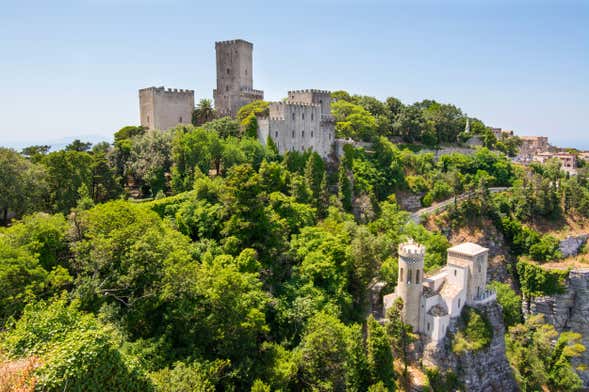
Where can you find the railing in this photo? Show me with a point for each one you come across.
(485, 297)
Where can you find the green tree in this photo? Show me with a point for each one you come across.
(79, 146)
(380, 356)
(203, 113)
(22, 185)
(401, 334)
(344, 186)
(323, 354)
(510, 301)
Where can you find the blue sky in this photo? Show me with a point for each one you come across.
(72, 68)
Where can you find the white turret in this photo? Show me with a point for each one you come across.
(410, 282)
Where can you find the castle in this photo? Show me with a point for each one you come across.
(234, 77)
(302, 122)
(431, 302)
(163, 108)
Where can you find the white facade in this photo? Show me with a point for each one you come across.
(430, 304)
(302, 123)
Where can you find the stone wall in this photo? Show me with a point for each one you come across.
(162, 108)
(486, 370)
(297, 127)
(571, 245)
(234, 76)
(568, 312)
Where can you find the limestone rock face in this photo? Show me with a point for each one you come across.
(568, 312)
(571, 245)
(486, 370)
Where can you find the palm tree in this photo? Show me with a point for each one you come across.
(203, 113)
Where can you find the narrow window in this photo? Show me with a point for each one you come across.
(226, 88)
(302, 116)
(311, 116)
(276, 134)
(148, 119)
(458, 303)
(180, 119)
(246, 72)
(401, 275)
(478, 291)
(303, 134)
(293, 116)
(428, 326)
(479, 268)
(409, 277)
(293, 134)
(454, 272)
(228, 71)
(311, 133)
(417, 276)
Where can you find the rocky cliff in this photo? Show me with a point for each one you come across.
(486, 370)
(568, 312)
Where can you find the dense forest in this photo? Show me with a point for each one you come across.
(198, 259)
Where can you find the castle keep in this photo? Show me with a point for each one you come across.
(430, 302)
(302, 122)
(163, 108)
(234, 77)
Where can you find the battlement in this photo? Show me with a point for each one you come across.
(251, 91)
(233, 42)
(164, 90)
(297, 104)
(411, 250)
(314, 91)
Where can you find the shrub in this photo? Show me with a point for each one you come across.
(476, 334)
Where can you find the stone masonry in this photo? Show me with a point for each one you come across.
(234, 77)
(303, 122)
(163, 108)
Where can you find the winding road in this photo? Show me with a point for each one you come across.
(441, 206)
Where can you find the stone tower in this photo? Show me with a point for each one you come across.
(234, 77)
(410, 281)
(474, 258)
(162, 108)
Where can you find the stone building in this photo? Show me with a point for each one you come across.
(532, 145)
(302, 122)
(568, 161)
(500, 133)
(162, 108)
(430, 302)
(234, 77)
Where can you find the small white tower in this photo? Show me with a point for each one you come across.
(410, 281)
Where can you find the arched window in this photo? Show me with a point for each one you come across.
(409, 276)
(417, 276)
(303, 134)
(401, 275)
(180, 119)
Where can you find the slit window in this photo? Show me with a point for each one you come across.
(293, 116)
(409, 277)
(303, 116)
(293, 134)
(303, 134)
(180, 119)
(417, 276)
(401, 275)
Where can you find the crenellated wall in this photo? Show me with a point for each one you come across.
(163, 108)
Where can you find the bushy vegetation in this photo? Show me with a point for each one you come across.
(476, 333)
(246, 269)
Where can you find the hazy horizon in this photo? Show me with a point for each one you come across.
(72, 69)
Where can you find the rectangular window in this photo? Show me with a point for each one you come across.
(401, 275)
(417, 276)
(311, 133)
(293, 134)
(303, 134)
(409, 277)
